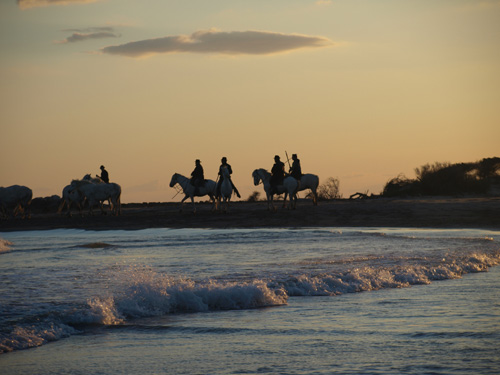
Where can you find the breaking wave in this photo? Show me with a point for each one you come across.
(140, 292)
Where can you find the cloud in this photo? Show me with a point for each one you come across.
(215, 41)
(80, 35)
(26, 4)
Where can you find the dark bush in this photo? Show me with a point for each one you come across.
(329, 189)
(400, 186)
(447, 179)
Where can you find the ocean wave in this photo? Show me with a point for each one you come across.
(396, 273)
(153, 294)
(140, 292)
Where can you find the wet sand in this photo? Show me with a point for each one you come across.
(381, 212)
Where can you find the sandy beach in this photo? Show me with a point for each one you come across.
(438, 212)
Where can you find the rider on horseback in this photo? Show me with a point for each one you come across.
(295, 169)
(230, 170)
(104, 175)
(197, 176)
(278, 174)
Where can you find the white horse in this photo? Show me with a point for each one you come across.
(98, 193)
(309, 181)
(191, 191)
(71, 196)
(226, 189)
(16, 198)
(289, 187)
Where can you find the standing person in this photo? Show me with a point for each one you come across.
(230, 170)
(104, 175)
(277, 174)
(197, 176)
(295, 169)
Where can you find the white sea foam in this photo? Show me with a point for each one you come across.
(152, 294)
(5, 245)
(389, 276)
(25, 337)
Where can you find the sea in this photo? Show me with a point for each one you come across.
(250, 301)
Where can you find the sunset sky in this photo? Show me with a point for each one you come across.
(361, 90)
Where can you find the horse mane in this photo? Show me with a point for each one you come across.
(263, 171)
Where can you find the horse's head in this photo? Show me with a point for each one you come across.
(173, 181)
(256, 177)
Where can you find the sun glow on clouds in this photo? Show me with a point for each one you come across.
(215, 41)
(26, 4)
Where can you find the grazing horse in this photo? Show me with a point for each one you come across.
(289, 187)
(309, 181)
(226, 189)
(16, 198)
(98, 193)
(191, 191)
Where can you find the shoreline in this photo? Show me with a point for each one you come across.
(429, 212)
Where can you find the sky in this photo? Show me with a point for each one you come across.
(360, 90)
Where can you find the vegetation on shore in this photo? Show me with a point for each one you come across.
(476, 178)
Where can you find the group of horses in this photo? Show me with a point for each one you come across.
(93, 191)
(290, 187)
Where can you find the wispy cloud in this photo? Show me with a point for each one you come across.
(219, 42)
(26, 4)
(80, 35)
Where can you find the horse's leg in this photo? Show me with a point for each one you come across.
(69, 208)
(270, 200)
(194, 206)
(182, 202)
(284, 200)
(315, 197)
(119, 203)
(61, 206)
(101, 205)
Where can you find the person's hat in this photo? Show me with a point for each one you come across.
(276, 157)
(102, 166)
(224, 158)
(294, 156)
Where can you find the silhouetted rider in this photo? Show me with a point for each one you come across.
(295, 169)
(230, 170)
(277, 173)
(197, 176)
(104, 175)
